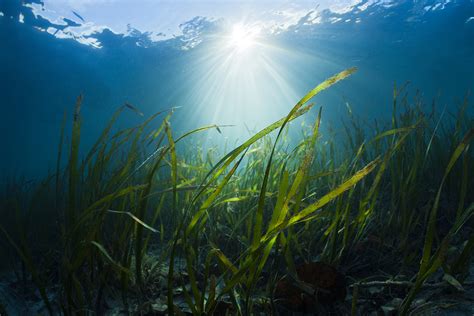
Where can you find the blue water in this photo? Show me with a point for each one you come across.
(429, 44)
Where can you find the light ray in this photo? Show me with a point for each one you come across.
(237, 81)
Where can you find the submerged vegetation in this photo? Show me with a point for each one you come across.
(339, 225)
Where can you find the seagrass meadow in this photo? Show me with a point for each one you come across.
(375, 221)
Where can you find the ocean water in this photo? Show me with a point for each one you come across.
(426, 43)
(393, 139)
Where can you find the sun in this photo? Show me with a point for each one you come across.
(243, 37)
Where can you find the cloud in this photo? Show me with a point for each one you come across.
(273, 17)
(79, 4)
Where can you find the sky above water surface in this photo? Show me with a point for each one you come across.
(196, 55)
(165, 16)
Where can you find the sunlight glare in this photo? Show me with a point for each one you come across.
(241, 79)
(243, 38)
